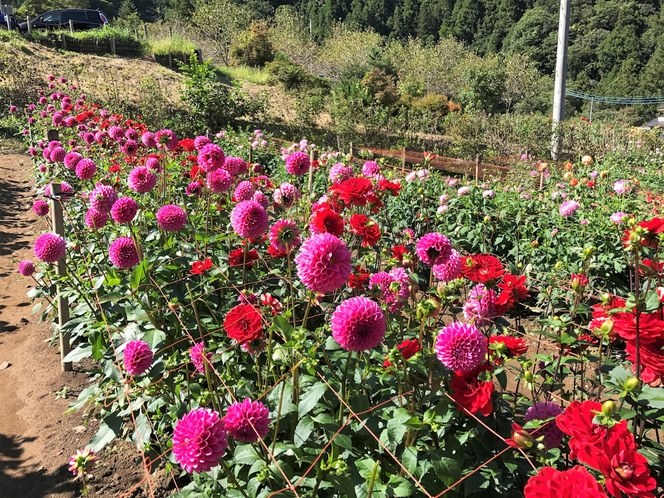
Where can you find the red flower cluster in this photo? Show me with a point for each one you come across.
(653, 227)
(471, 393)
(506, 346)
(408, 348)
(187, 144)
(327, 221)
(200, 267)
(272, 303)
(391, 187)
(365, 228)
(610, 450)
(513, 290)
(243, 323)
(552, 483)
(236, 257)
(482, 268)
(358, 279)
(353, 191)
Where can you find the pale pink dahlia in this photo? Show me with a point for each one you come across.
(166, 138)
(40, 207)
(95, 220)
(323, 263)
(199, 357)
(622, 187)
(211, 157)
(199, 440)
(480, 305)
(358, 324)
(142, 179)
(568, 208)
(340, 173)
(247, 421)
(102, 198)
(450, 269)
(201, 141)
(461, 347)
(171, 218)
(618, 217)
(72, 159)
(124, 210)
(249, 219)
(235, 165)
(370, 169)
(433, 249)
(26, 268)
(219, 181)
(50, 247)
(85, 169)
(244, 191)
(542, 411)
(123, 253)
(285, 235)
(298, 163)
(137, 357)
(286, 195)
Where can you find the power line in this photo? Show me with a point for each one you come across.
(657, 99)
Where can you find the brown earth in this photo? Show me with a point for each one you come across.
(36, 435)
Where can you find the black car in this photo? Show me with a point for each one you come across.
(83, 19)
(12, 21)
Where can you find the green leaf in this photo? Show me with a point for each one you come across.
(138, 274)
(447, 469)
(654, 396)
(143, 431)
(409, 459)
(82, 351)
(283, 326)
(652, 300)
(303, 430)
(109, 429)
(310, 398)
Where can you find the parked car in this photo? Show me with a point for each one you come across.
(12, 21)
(59, 19)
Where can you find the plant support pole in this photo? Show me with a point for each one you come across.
(61, 271)
(561, 75)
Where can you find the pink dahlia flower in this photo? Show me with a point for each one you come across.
(95, 220)
(86, 169)
(194, 188)
(463, 191)
(40, 207)
(211, 157)
(340, 173)
(130, 148)
(200, 142)
(199, 440)
(199, 357)
(542, 411)
(219, 181)
(370, 169)
(244, 191)
(622, 187)
(72, 159)
(286, 195)
(26, 268)
(171, 218)
(261, 199)
(116, 133)
(480, 305)
(102, 198)
(449, 270)
(131, 134)
(433, 249)
(65, 189)
(137, 357)
(285, 235)
(235, 165)
(167, 139)
(249, 219)
(568, 208)
(124, 210)
(123, 253)
(148, 140)
(394, 287)
(153, 164)
(298, 163)
(358, 324)
(58, 154)
(50, 247)
(323, 263)
(461, 347)
(247, 421)
(142, 179)
(618, 217)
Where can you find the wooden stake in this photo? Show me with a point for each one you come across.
(313, 155)
(478, 161)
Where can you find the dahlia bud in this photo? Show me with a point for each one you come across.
(420, 190)
(534, 243)
(528, 376)
(487, 219)
(576, 284)
(607, 327)
(608, 408)
(558, 265)
(606, 298)
(427, 308)
(589, 251)
(521, 438)
(631, 384)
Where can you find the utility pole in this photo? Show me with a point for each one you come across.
(561, 75)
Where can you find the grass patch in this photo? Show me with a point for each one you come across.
(246, 73)
(172, 45)
(12, 38)
(105, 33)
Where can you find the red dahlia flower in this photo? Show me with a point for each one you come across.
(199, 267)
(359, 278)
(552, 483)
(352, 191)
(365, 228)
(471, 393)
(236, 257)
(326, 221)
(481, 268)
(243, 323)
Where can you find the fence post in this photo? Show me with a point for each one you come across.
(71, 25)
(27, 21)
(145, 31)
(170, 31)
(61, 271)
(352, 150)
(478, 162)
(403, 160)
(112, 42)
(313, 155)
(63, 41)
(136, 33)
(199, 53)
(170, 61)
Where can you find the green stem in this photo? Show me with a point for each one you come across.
(231, 478)
(276, 425)
(290, 283)
(374, 473)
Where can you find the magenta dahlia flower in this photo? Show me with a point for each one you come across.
(50, 247)
(65, 189)
(130, 148)
(123, 253)
(95, 220)
(568, 208)
(167, 139)
(153, 164)
(211, 157)
(137, 357)
(148, 140)
(201, 141)
(370, 169)
(461, 347)
(323, 263)
(57, 154)
(433, 249)
(394, 287)
(358, 324)
(72, 159)
(247, 421)
(298, 163)
(199, 357)
(102, 198)
(124, 210)
(285, 235)
(480, 305)
(340, 173)
(261, 199)
(86, 169)
(116, 133)
(171, 218)
(235, 165)
(219, 181)
(26, 268)
(286, 195)
(142, 179)
(40, 207)
(199, 440)
(131, 134)
(194, 188)
(450, 269)
(249, 219)
(244, 191)
(542, 411)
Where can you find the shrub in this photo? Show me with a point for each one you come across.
(381, 86)
(253, 47)
(287, 73)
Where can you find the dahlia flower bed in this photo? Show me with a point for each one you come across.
(339, 328)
